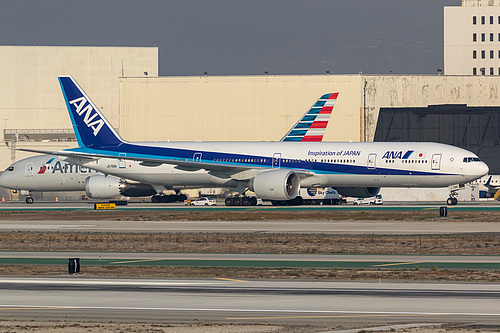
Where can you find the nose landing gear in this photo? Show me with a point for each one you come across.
(452, 201)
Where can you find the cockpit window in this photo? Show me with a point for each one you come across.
(471, 159)
(11, 168)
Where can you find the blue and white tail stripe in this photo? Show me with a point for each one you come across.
(91, 128)
(313, 124)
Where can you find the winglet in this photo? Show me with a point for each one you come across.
(311, 127)
(92, 130)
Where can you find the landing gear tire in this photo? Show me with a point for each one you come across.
(155, 199)
(238, 200)
(29, 200)
(452, 201)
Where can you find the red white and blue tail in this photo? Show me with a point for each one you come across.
(313, 124)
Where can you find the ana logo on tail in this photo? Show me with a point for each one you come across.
(81, 109)
(91, 127)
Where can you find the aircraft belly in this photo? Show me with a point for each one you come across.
(347, 180)
(187, 179)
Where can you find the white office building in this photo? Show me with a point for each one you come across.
(472, 38)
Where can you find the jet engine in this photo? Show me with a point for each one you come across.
(358, 192)
(105, 187)
(276, 184)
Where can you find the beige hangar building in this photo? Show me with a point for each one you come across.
(124, 83)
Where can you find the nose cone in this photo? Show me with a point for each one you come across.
(6, 179)
(482, 169)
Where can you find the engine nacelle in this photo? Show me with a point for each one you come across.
(358, 192)
(276, 184)
(105, 187)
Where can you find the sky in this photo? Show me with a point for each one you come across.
(236, 37)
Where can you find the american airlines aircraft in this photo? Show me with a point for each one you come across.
(49, 173)
(272, 170)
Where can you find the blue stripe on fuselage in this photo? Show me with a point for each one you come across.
(231, 159)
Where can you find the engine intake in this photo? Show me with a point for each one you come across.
(276, 184)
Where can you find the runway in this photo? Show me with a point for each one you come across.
(438, 226)
(248, 301)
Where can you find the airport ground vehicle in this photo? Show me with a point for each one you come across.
(204, 201)
(314, 196)
(321, 196)
(376, 200)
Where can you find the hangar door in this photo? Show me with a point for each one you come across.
(473, 128)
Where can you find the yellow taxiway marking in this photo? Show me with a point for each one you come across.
(340, 316)
(126, 262)
(225, 279)
(400, 263)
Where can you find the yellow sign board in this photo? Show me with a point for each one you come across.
(104, 206)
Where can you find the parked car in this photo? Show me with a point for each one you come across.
(205, 201)
(376, 200)
(363, 201)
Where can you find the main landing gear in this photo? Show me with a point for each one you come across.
(165, 198)
(240, 200)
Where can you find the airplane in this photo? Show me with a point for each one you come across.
(272, 170)
(48, 173)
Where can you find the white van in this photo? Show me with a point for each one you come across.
(376, 200)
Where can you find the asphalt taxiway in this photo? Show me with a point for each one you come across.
(437, 226)
(144, 205)
(248, 300)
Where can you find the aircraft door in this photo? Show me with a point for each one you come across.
(436, 162)
(372, 161)
(121, 162)
(197, 157)
(276, 160)
(29, 169)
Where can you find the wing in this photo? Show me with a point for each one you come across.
(236, 172)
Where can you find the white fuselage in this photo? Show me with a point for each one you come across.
(45, 173)
(374, 164)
